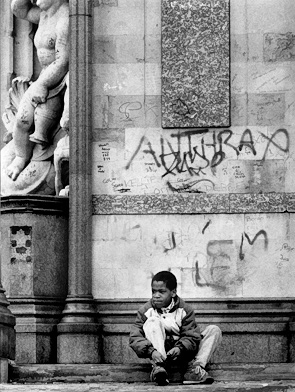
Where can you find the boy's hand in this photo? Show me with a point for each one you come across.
(174, 353)
(157, 357)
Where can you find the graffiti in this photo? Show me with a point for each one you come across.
(195, 150)
(217, 268)
(128, 107)
(271, 140)
(188, 187)
(251, 242)
(285, 251)
(172, 242)
(206, 225)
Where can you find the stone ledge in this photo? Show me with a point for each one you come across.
(47, 205)
(233, 386)
(140, 373)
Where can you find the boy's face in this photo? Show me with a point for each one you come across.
(161, 295)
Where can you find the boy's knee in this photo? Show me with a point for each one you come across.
(213, 330)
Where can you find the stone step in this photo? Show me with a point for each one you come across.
(139, 373)
(273, 386)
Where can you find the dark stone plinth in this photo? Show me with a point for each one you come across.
(34, 264)
(7, 336)
(195, 63)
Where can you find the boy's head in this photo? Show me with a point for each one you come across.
(164, 286)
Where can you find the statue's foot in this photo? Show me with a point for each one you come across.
(16, 167)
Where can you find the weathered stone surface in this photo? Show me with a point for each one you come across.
(269, 202)
(279, 47)
(33, 117)
(78, 337)
(152, 204)
(266, 109)
(154, 161)
(195, 64)
(235, 386)
(212, 255)
(193, 204)
(140, 373)
(34, 269)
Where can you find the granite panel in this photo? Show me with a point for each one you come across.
(239, 348)
(112, 349)
(253, 202)
(163, 204)
(195, 63)
(290, 202)
(192, 204)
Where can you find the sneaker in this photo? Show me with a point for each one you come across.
(159, 376)
(201, 376)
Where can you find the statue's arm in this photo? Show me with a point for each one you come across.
(25, 10)
(54, 73)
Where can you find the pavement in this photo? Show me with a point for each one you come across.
(273, 386)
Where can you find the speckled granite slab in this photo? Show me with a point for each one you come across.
(195, 63)
(233, 203)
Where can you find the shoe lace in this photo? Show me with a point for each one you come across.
(200, 372)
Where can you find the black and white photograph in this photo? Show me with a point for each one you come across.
(147, 184)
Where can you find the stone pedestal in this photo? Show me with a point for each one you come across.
(292, 341)
(7, 336)
(34, 258)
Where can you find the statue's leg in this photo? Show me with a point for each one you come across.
(23, 146)
(47, 116)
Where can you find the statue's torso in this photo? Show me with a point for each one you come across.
(45, 37)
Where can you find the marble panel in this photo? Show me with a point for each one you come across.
(239, 109)
(112, 49)
(212, 255)
(195, 63)
(279, 47)
(119, 79)
(266, 109)
(126, 111)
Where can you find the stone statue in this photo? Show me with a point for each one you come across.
(35, 129)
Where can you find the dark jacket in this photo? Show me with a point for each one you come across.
(189, 334)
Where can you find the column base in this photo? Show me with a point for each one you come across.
(3, 370)
(36, 322)
(78, 334)
(292, 341)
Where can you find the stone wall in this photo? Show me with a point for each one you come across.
(213, 205)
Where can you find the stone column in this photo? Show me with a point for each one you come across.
(78, 333)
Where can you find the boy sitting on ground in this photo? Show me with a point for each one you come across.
(165, 331)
